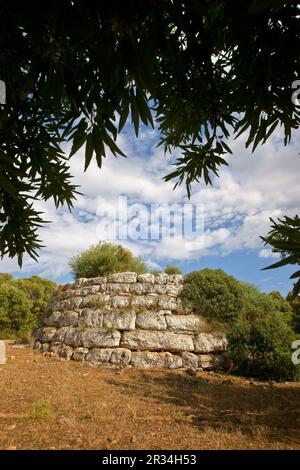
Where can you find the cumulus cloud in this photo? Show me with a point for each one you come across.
(236, 208)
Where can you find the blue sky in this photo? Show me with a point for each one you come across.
(236, 208)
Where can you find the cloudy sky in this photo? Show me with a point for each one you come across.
(236, 210)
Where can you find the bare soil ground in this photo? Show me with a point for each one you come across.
(49, 404)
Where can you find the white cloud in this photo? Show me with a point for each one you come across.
(237, 207)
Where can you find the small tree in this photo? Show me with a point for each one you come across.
(171, 269)
(16, 317)
(103, 259)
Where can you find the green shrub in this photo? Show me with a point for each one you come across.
(39, 291)
(294, 302)
(5, 277)
(171, 269)
(261, 348)
(214, 294)
(103, 259)
(16, 317)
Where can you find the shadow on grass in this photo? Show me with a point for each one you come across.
(222, 404)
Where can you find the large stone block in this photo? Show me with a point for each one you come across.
(69, 318)
(122, 277)
(151, 321)
(155, 360)
(121, 356)
(95, 281)
(167, 302)
(79, 354)
(53, 319)
(146, 277)
(120, 301)
(156, 341)
(161, 278)
(210, 343)
(88, 290)
(185, 322)
(190, 360)
(120, 288)
(73, 337)
(65, 352)
(91, 318)
(45, 335)
(95, 300)
(99, 355)
(119, 320)
(95, 338)
(69, 304)
(139, 289)
(175, 278)
(174, 289)
(60, 334)
(211, 361)
(145, 301)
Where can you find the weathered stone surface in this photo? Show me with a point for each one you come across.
(155, 360)
(79, 354)
(88, 290)
(147, 277)
(167, 302)
(60, 334)
(99, 355)
(156, 341)
(73, 337)
(65, 352)
(145, 301)
(208, 342)
(91, 318)
(189, 360)
(95, 338)
(151, 321)
(53, 319)
(160, 289)
(69, 304)
(185, 322)
(69, 318)
(95, 300)
(37, 345)
(46, 334)
(139, 288)
(210, 361)
(161, 278)
(45, 347)
(119, 301)
(120, 288)
(119, 320)
(95, 281)
(121, 356)
(174, 289)
(122, 277)
(80, 282)
(176, 278)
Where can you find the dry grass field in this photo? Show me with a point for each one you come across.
(49, 404)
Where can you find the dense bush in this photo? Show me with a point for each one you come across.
(16, 317)
(22, 303)
(213, 294)
(171, 269)
(261, 348)
(294, 301)
(258, 325)
(103, 259)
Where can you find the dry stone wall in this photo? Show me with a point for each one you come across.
(127, 319)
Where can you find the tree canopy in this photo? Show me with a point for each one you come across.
(77, 71)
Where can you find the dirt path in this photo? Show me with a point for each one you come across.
(48, 404)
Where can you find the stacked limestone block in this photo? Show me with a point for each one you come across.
(127, 319)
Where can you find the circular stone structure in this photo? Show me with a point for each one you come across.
(127, 319)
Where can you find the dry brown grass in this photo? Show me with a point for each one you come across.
(48, 404)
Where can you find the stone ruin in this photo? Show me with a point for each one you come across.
(126, 319)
